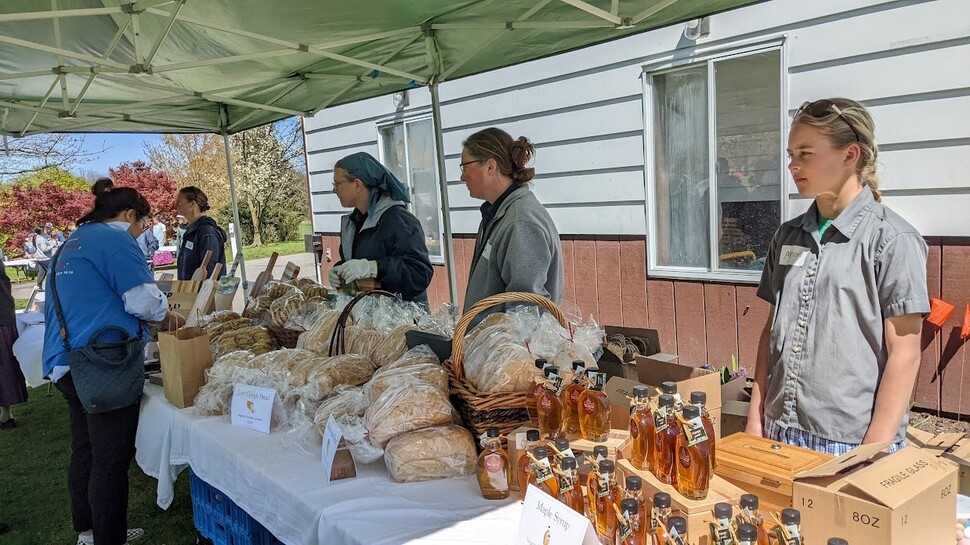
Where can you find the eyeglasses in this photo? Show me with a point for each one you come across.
(824, 107)
(335, 184)
(461, 166)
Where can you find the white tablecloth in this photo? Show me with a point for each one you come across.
(285, 489)
(29, 347)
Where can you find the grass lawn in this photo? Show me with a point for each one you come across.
(288, 247)
(19, 304)
(33, 483)
(16, 276)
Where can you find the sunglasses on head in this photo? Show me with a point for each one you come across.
(819, 109)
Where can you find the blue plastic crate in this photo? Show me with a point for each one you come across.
(220, 520)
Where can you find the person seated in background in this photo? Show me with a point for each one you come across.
(379, 239)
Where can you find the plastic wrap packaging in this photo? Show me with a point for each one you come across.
(404, 408)
(301, 370)
(301, 282)
(547, 337)
(431, 453)
(349, 369)
(283, 360)
(589, 335)
(257, 340)
(214, 397)
(303, 318)
(358, 340)
(256, 306)
(317, 338)
(498, 321)
(275, 289)
(215, 330)
(385, 314)
(281, 308)
(358, 441)
(425, 373)
(415, 356)
(344, 401)
(392, 347)
(315, 290)
(570, 352)
(219, 317)
(502, 365)
(441, 322)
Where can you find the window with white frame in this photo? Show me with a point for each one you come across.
(408, 150)
(714, 140)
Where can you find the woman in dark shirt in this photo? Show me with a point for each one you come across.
(13, 387)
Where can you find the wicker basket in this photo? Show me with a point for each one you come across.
(338, 343)
(286, 337)
(482, 410)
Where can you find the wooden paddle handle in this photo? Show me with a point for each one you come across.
(215, 271)
(205, 261)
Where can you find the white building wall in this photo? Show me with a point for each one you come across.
(908, 61)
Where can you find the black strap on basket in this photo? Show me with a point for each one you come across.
(337, 340)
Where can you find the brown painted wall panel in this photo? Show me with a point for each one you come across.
(690, 320)
(633, 283)
(608, 282)
(569, 281)
(926, 394)
(663, 313)
(721, 317)
(954, 357)
(752, 314)
(584, 267)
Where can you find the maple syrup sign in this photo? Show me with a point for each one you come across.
(546, 521)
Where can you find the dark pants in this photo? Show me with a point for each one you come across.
(102, 448)
(42, 265)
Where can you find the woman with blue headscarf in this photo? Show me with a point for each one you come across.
(379, 239)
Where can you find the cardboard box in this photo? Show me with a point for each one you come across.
(952, 446)
(613, 366)
(181, 295)
(699, 513)
(870, 496)
(658, 368)
(764, 467)
(733, 418)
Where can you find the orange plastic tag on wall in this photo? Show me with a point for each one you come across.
(940, 312)
(965, 330)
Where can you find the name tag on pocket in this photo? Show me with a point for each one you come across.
(794, 256)
(487, 251)
(189, 245)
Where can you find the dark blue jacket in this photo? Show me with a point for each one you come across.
(393, 238)
(204, 234)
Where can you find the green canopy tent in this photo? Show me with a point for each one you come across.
(224, 66)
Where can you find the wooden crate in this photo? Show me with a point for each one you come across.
(765, 468)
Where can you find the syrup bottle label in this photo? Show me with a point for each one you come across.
(694, 431)
(565, 482)
(660, 420)
(603, 486)
(542, 470)
(721, 535)
(554, 385)
(599, 382)
(624, 528)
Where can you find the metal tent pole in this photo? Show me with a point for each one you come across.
(447, 245)
(235, 210)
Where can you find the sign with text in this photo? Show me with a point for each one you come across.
(331, 440)
(252, 407)
(547, 521)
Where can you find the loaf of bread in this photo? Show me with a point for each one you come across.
(506, 367)
(425, 373)
(275, 289)
(392, 347)
(349, 369)
(498, 320)
(415, 356)
(358, 340)
(257, 340)
(403, 408)
(301, 370)
(571, 352)
(345, 401)
(431, 453)
(317, 338)
(281, 308)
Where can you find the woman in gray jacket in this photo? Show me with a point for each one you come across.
(517, 247)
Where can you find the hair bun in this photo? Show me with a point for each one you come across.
(102, 186)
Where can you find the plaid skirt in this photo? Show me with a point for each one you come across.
(804, 439)
(13, 387)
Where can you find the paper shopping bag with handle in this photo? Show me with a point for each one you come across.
(184, 355)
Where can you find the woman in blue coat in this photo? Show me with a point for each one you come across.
(379, 239)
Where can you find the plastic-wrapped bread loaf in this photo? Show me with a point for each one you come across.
(506, 367)
(415, 356)
(361, 341)
(344, 401)
(392, 347)
(317, 338)
(437, 452)
(302, 369)
(257, 340)
(407, 407)
(275, 289)
(499, 320)
(571, 352)
(281, 308)
(348, 369)
(426, 373)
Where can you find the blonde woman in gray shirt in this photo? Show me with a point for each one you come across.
(840, 352)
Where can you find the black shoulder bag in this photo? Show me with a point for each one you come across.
(107, 376)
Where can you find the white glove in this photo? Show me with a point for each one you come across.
(335, 281)
(357, 269)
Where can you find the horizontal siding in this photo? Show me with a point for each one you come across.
(583, 109)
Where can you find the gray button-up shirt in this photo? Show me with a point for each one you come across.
(832, 296)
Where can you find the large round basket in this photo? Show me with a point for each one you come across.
(286, 337)
(338, 342)
(482, 410)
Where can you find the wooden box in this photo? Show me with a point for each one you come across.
(698, 513)
(765, 468)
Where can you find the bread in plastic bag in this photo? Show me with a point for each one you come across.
(281, 308)
(417, 355)
(498, 319)
(509, 367)
(315, 290)
(345, 400)
(437, 452)
(570, 352)
(283, 360)
(480, 353)
(403, 408)
(257, 306)
(218, 317)
(361, 341)
(215, 396)
(257, 340)
(427, 373)
(393, 346)
(218, 328)
(301, 370)
(317, 338)
(274, 289)
(303, 318)
(349, 369)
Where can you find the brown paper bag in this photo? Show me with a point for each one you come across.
(181, 295)
(184, 357)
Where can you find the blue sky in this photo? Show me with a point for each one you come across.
(118, 149)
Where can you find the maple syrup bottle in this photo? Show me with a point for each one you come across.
(533, 391)
(542, 475)
(791, 519)
(749, 510)
(748, 534)
(494, 468)
(600, 453)
(570, 492)
(659, 516)
(641, 428)
(606, 493)
(630, 529)
(670, 388)
(561, 451)
(665, 440)
(594, 409)
(693, 457)
(700, 399)
(721, 527)
(570, 398)
(677, 531)
(549, 404)
(523, 466)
